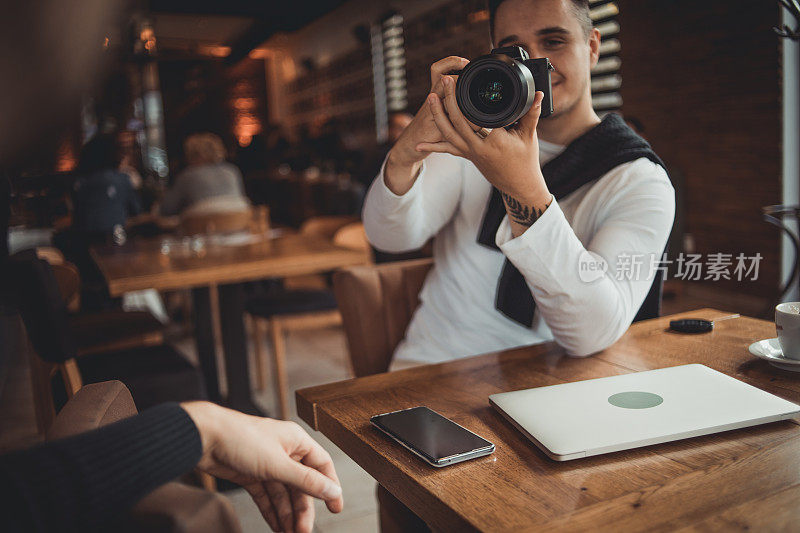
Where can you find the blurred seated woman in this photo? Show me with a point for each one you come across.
(209, 184)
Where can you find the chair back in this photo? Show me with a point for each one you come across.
(173, 507)
(352, 236)
(376, 303)
(95, 405)
(39, 300)
(54, 256)
(67, 276)
(69, 284)
(326, 226)
(209, 223)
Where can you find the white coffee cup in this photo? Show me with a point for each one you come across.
(787, 324)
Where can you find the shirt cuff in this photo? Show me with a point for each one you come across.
(540, 231)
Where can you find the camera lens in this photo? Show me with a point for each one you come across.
(494, 91)
(491, 91)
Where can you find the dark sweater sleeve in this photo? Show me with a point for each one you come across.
(82, 482)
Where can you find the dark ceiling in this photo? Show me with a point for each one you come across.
(282, 16)
(264, 18)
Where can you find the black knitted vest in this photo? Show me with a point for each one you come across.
(609, 144)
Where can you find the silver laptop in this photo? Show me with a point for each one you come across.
(605, 415)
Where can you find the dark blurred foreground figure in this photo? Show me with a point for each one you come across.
(86, 482)
(209, 184)
(83, 482)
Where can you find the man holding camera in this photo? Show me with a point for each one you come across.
(518, 213)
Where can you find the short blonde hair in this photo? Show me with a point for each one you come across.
(203, 149)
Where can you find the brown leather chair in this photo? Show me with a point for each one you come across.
(172, 507)
(376, 304)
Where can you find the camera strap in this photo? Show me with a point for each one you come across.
(586, 159)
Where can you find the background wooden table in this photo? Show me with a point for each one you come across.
(139, 265)
(728, 481)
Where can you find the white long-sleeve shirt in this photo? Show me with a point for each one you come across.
(625, 214)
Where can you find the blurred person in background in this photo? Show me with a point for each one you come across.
(398, 122)
(208, 184)
(130, 157)
(372, 161)
(103, 199)
(103, 196)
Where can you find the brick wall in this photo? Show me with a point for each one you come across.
(704, 78)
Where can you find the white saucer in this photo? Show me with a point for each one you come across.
(770, 350)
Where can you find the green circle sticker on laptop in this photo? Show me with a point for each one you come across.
(635, 399)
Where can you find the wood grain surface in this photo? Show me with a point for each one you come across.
(737, 480)
(140, 264)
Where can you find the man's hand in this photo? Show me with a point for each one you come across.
(277, 462)
(404, 160)
(509, 159)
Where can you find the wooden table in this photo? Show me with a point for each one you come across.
(140, 264)
(729, 481)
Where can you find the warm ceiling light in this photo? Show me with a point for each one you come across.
(216, 51)
(478, 16)
(259, 53)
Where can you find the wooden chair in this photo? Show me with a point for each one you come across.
(50, 254)
(327, 228)
(198, 223)
(352, 236)
(154, 373)
(293, 310)
(106, 331)
(376, 304)
(201, 222)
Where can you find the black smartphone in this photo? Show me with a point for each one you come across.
(434, 438)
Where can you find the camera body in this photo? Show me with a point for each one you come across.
(496, 90)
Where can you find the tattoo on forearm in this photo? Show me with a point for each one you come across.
(521, 213)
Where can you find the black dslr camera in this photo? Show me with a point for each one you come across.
(496, 90)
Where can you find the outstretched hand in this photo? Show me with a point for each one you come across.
(276, 461)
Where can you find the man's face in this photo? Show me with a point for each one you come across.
(549, 28)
